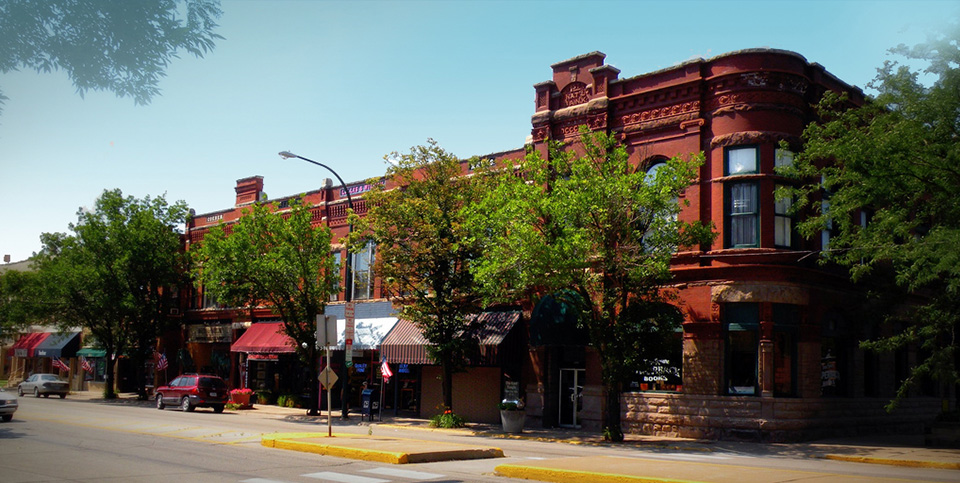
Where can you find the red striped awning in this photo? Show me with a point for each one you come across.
(405, 344)
(24, 347)
(264, 337)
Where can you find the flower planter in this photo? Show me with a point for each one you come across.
(512, 420)
(241, 399)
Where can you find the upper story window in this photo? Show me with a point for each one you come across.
(782, 158)
(742, 160)
(783, 223)
(362, 269)
(742, 218)
(336, 283)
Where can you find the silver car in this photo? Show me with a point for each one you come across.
(8, 405)
(45, 384)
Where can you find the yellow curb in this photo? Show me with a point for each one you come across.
(892, 462)
(288, 441)
(338, 451)
(560, 476)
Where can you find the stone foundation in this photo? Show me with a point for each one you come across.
(770, 419)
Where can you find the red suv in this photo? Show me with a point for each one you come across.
(189, 391)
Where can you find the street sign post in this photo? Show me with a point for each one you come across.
(348, 312)
(327, 337)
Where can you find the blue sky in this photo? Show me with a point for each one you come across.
(346, 83)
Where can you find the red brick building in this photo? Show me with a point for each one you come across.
(769, 347)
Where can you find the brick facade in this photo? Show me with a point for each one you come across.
(809, 377)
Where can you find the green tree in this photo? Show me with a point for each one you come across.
(598, 225)
(21, 300)
(886, 186)
(115, 45)
(279, 257)
(115, 275)
(424, 251)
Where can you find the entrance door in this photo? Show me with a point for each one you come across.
(571, 396)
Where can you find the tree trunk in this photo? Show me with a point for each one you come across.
(611, 416)
(446, 385)
(108, 392)
(139, 361)
(313, 384)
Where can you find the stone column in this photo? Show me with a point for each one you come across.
(766, 365)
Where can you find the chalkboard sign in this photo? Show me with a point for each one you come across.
(511, 391)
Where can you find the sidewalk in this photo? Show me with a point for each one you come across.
(897, 450)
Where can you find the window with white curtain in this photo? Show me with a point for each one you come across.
(363, 262)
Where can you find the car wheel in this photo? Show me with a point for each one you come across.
(218, 408)
(185, 404)
(36, 392)
(7, 417)
(19, 391)
(160, 404)
(63, 396)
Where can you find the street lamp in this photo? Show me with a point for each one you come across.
(347, 282)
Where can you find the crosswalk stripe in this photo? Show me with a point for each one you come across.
(413, 475)
(329, 475)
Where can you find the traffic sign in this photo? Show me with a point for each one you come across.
(327, 377)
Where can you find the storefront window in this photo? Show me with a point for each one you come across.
(742, 324)
(786, 325)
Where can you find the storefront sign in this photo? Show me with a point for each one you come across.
(263, 357)
(209, 333)
(360, 188)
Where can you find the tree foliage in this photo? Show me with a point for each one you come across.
(424, 250)
(894, 163)
(278, 257)
(21, 300)
(598, 224)
(116, 274)
(115, 45)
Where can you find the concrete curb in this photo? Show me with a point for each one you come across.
(564, 475)
(376, 449)
(894, 462)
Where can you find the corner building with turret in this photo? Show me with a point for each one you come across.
(769, 348)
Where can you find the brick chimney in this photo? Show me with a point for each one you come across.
(6, 259)
(249, 190)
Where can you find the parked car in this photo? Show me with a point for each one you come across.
(8, 404)
(189, 391)
(44, 384)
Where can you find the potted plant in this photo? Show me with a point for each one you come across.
(512, 415)
(241, 397)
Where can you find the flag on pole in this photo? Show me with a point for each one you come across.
(161, 361)
(86, 365)
(385, 369)
(60, 365)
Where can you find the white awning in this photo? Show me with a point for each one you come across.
(367, 333)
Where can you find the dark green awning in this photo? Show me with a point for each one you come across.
(91, 352)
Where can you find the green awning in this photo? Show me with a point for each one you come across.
(91, 352)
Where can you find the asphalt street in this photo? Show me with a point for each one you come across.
(80, 439)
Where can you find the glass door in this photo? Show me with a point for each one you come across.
(571, 396)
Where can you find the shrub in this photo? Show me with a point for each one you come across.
(265, 396)
(447, 419)
(289, 401)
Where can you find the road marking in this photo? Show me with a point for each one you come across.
(261, 480)
(413, 475)
(345, 478)
(685, 457)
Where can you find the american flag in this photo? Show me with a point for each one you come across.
(385, 369)
(162, 361)
(60, 365)
(86, 365)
